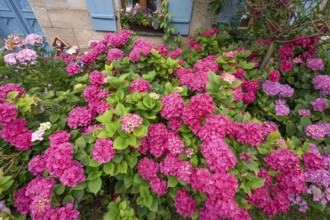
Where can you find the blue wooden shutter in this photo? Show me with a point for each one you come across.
(10, 22)
(30, 21)
(102, 14)
(181, 11)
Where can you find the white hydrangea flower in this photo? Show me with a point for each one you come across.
(44, 126)
(154, 96)
(38, 135)
(178, 89)
(71, 51)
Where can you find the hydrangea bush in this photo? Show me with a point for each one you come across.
(139, 131)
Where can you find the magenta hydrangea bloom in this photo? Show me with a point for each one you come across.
(73, 174)
(315, 64)
(40, 186)
(286, 52)
(8, 113)
(312, 161)
(68, 213)
(134, 56)
(115, 40)
(157, 139)
(172, 106)
(218, 155)
(94, 94)
(73, 69)
(115, 54)
(159, 186)
(274, 76)
(130, 122)
(282, 160)
(59, 159)
(292, 181)
(144, 147)
(97, 78)
(322, 83)
(249, 97)
(319, 104)
(37, 165)
(268, 127)
(175, 124)
(22, 201)
(58, 138)
(214, 127)
(169, 166)
(39, 205)
(175, 144)
(148, 169)
(247, 133)
(5, 89)
(185, 171)
(80, 116)
(17, 134)
(103, 151)
(286, 66)
(139, 85)
(184, 203)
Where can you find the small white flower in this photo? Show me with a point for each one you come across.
(71, 51)
(37, 135)
(154, 96)
(44, 126)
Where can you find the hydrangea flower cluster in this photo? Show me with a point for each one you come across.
(130, 122)
(73, 69)
(322, 83)
(97, 78)
(139, 85)
(172, 106)
(33, 39)
(290, 181)
(280, 108)
(276, 89)
(35, 199)
(304, 112)
(14, 130)
(22, 56)
(184, 203)
(80, 117)
(315, 64)
(103, 151)
(14, 42)
(115, 54)
(58, 160)
(318, 130)
(319, 104)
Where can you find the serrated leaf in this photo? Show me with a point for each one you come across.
(120, 143)
(95, 185)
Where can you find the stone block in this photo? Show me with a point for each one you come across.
(42, 16)
(85, 35)
(65, 18)
(55, 4)
(77, 4)
(37, 3)
(66, 35)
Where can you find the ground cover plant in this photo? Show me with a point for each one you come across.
(132, 130)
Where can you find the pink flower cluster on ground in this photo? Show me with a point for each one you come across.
(35, 199)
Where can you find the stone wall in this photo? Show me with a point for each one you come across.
(70, 20)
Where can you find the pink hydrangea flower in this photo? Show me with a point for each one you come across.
(10, 59)
(37, 165)
(172, 106)
(139, 85)
(249, 97)
(214, 127)
(40, 186)
(218, 155)
(5, 89)
(94, 94)
(130, 122)
(148, 169)
(33, 39)
(315, 64)
(115, 54)
(169, 166)
(175, 124)
(159, 186)
(73, 175)
(103, 151)
(312, 161)
(58, 138)
(230, 54)
(26, 55)
(115, 40)
(80, 116)
(304, 112)
(286, 66)
(59, 159)
(175, 144)
(39, 205)
(184, 203)
(73, 69)
(97, 78)
(157, 139)
(13, 42)
(319, 104)
(68, 213)
(315, 131)
(134, 55)
(282, 160)
(22, 201)
(8, 113)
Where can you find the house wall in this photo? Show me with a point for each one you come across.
(70, 20)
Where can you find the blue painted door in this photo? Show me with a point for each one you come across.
(17, 17)
(102, 14)
(181, 11)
